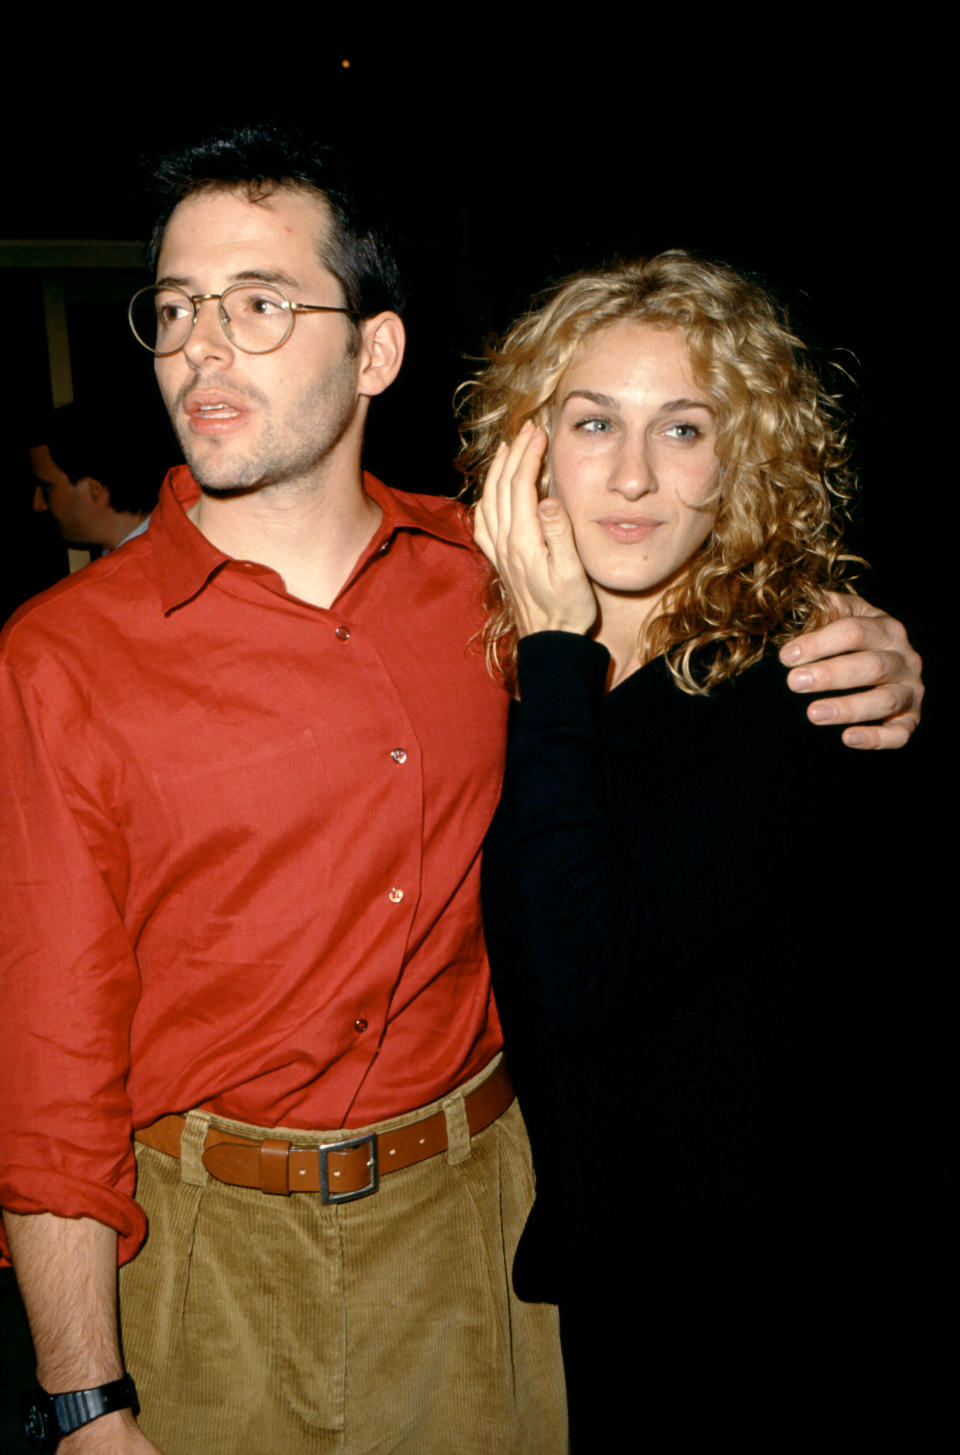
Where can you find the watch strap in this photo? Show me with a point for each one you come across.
(47, 1418)
(79, 1406)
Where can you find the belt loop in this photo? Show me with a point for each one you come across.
(192, 1139)
(275, 1166)
(458, 1129)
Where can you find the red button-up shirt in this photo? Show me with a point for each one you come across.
(242, 836)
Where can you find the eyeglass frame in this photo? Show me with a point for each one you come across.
(194, 299)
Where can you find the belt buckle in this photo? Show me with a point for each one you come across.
(323, 1152)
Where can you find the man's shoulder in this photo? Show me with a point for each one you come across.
(438, 515)
(76, 609)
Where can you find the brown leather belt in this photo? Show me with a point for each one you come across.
(339, 1171)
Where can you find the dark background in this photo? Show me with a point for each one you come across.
(814, 161)
(813, 158)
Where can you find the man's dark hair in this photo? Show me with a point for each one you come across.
(260, 158)
(92, 441)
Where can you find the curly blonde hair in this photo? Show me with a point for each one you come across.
(775, 548)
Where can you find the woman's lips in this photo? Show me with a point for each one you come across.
(628, 529)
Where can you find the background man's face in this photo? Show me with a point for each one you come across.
(69, 504)
(246, 420)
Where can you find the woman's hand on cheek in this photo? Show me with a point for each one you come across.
(531, 544)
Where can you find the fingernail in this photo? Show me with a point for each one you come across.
(801, 681)
(822, 712)
(791, 652)
(549, 508)
(855, 738)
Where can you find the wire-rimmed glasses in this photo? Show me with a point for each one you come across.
(256, 317)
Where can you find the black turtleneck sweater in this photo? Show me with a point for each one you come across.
(690, 987)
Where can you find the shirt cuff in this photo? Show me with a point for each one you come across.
(561, 677)
(30, 1190)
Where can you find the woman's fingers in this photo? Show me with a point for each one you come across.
(571, 586)
(520, 482)
(558, 537)
(531, 542)
(485, 517)
(510, 493)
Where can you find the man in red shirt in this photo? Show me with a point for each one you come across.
(250, 763)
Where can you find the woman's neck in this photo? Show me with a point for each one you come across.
(620, 623)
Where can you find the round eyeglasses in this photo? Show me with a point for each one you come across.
(256, 317)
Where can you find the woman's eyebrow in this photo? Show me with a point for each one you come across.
(674, 404)
(605, 399)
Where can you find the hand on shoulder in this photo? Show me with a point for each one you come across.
(861, 648)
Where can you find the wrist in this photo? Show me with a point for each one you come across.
(535, 628)
(51, 1420)
(561, 619)
(106, 1436)
(69, 1370)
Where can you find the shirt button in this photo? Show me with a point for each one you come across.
(360, 1025)
(398, 755)
(382, 550)
(395, 896)
(342, 634)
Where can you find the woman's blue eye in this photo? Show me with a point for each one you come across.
(593, 425)
(683, 431)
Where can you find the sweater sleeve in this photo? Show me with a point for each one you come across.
(612, 877)
(70, 979)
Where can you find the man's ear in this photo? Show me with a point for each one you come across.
(97, 492)
(382, 343)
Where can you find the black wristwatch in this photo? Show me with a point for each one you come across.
(47, 1418)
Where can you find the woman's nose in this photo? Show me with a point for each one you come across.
(633, 475)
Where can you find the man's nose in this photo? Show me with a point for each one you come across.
(207, 339)
(39, 499)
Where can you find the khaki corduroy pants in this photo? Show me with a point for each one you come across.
(263, 1325)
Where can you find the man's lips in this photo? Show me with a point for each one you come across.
(213, 412)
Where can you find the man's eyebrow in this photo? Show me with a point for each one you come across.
(246, 275)
(265, 275)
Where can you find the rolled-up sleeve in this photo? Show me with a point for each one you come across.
(70, 977)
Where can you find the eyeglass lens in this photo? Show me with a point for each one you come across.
(255, 317)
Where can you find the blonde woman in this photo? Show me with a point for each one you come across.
(664, 484)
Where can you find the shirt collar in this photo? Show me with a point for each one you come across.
(187, 561)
